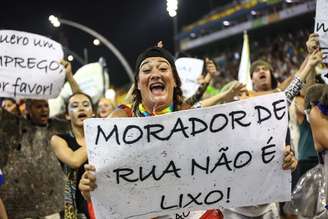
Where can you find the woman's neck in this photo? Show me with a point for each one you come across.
(78, 132)
(155, 108)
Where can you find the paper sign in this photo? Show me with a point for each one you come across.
(189, 70)
(228, 155)
(92, 79)
(321, 26)
(29, 66)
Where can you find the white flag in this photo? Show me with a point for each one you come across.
(244, 66)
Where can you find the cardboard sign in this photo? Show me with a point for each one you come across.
(321, 26)
(228, 155)
(29, 65)
(189, 70)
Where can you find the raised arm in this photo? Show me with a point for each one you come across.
(204, 82)
(69, 76)
(307, 68)
(65, 154)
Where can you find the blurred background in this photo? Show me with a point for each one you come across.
(277, 31)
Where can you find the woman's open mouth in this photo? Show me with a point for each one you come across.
(82, 116)
(157, 88)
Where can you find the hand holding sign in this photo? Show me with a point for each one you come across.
(290, 161)
(88, 181)
(312, 43)
(68, 68)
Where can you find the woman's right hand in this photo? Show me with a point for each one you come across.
(88, 181)
(312, 43)
(315, 58)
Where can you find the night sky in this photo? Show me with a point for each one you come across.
(131, 25)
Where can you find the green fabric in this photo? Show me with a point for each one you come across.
(212, 90)
(305, 144)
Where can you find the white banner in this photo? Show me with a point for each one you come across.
(29, 65)
(189, 69)
(321, 26)
(228, 155)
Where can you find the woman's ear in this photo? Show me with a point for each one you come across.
(67, 117)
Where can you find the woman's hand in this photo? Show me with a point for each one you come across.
(211, 72)
(290, 161)
(88, 181)
(235, 91)
(315, 58)
(67, 67)
(210, 67)
(312, 43)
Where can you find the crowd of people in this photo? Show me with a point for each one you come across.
(44, 160)
(284, 51)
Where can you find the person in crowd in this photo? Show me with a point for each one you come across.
(105, 107)
(316, 110)
(264, 82)
(307, 156)
(71, 150)
(34, 180)
(10, 105)
(157, 92)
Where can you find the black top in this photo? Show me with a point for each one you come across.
(80, 203)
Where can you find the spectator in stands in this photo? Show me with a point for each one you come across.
(104, 107)
(10, 105)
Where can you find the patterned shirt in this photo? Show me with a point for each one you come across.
(34, 185)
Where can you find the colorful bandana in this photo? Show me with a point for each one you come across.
(143, 111)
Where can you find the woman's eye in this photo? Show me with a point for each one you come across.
(163, 69)
(146, 71)
(86, 104)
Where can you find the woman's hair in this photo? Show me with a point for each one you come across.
(324, 97)
(313, 95)
(157, 52)
(74, 94)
